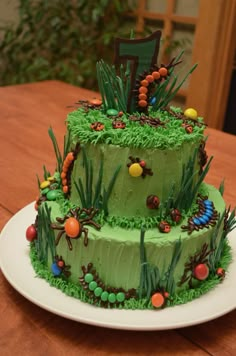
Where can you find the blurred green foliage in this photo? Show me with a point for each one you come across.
(61, 40)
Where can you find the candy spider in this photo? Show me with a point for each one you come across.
(137, 167)
(205, 217)
(197, 266)
(59, 267)
(73, 225)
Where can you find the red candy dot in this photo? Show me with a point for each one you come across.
(60, 263)
(31, 233)
(201, 271)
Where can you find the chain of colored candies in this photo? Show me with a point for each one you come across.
(206, 216)
(99, 292)
(48, 191)
(155, 77)
(67, 167)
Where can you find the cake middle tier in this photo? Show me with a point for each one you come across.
(130, 182)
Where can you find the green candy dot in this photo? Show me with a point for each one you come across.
(45, 191)
(104, 296)
(98, 291)
(120, 297)
(93, 285)
(53, 194)
(88, 277)
(112, 112)
(112, 298)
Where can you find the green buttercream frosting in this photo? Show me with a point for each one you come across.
(170, 135)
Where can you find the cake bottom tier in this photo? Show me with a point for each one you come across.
(128, 268)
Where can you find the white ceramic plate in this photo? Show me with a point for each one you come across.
(16, 267)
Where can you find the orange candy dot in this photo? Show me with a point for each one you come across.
(64, 181)
(142, 103)
(96, 102)
(156, 75)
(150, 78)
(144, 83)
(143, 90)
(67, 162)
(72, 227)
(157, 300)
(70, 156)
(65, 189)
(65, 168)
(163, 71)
(142, 96)
(63, 175)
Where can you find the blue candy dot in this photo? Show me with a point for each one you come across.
(55, 269)
(209, 211)
(153, 100)
(203, 219)
(208, 202)
(196, 221)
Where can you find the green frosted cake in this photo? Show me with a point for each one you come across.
(126, 220)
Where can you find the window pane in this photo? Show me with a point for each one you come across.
(187, 7)
(133, 3)
(182, 39)
(156, 5)
(151, 26)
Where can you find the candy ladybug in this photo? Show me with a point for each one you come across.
(153, 202)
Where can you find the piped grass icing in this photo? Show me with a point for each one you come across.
(170, 135)
(76, 291)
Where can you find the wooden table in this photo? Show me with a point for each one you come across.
(26, 113)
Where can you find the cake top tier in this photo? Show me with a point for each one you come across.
(134, 107)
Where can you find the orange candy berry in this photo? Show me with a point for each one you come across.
(96, 102)
(70, 156)
(144, 83)
(65, 168)
(156, 75)
(163, 71)
(64, 181)
(65, 189)
(142, 103)
(142, 97)
(150, 78)
(63, 175)
(157, 300)
(143, 90)
(72, 227)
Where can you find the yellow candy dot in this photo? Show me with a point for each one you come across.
(44, 184)
(50, 179)
(191, 113)
(135, 170)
